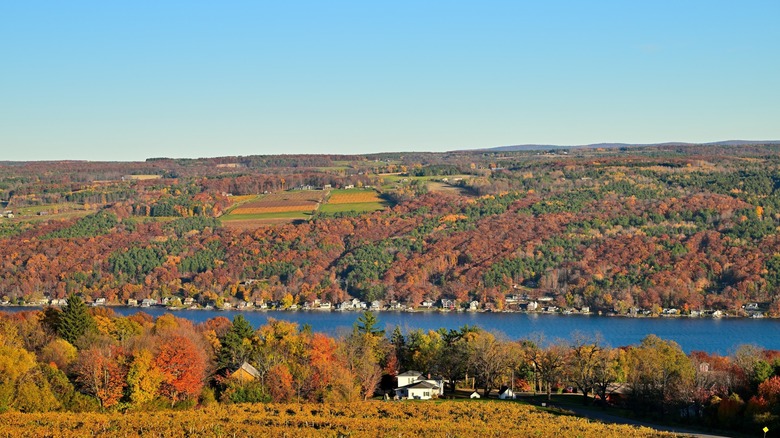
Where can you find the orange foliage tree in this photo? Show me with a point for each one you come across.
(101, 373)
(183, 366)
(280, 383)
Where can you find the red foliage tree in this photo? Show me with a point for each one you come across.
(769, 390)
(101, 373)
(280, 383)
(183, 364)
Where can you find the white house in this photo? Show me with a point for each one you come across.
(421, 390)
(354, 304)
(506, 394)
(413, 385)
(474, 394)
(395, 305)
(408, 377)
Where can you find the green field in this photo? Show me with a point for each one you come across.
(349, 191)
(361, 207)
(65, 210)
(282, 215)
(392, 181)
(65, 206)
(332, 168)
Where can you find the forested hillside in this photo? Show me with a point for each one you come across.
(690, 228)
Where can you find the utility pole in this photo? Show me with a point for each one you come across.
(513, 381)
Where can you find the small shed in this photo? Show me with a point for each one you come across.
(245, 373)
(475, 394)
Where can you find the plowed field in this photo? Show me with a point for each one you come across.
(301, 201)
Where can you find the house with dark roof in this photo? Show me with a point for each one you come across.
(413, 385)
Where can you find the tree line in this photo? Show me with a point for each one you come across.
(88, 359)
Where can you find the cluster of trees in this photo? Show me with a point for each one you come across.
(654, 378)
(691, 229)
(83, 359)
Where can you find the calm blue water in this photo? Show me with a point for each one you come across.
(706, 334)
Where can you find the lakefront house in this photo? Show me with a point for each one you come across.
(413, 385)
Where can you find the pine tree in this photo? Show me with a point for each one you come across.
(75, 320)
(367, 323)
(237, 345)
(399, 343)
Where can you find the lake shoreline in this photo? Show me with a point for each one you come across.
(722, 315)
(715, 335)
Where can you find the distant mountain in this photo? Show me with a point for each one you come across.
(540, 147)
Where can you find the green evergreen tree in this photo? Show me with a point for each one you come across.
(399, 344)
(367, 324)
(75, 320)
(236, 344)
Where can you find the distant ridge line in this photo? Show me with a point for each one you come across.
(537, 147)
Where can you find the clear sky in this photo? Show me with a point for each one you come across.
(128, 80)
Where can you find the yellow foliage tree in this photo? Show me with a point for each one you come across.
(143, 378)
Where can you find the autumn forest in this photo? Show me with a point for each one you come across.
(681, 231)
(689, 228)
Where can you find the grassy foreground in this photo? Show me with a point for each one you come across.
(369, 419)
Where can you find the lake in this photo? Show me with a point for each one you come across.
(706, 334)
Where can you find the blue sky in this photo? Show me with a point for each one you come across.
(131, 80)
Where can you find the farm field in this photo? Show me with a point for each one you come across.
(241, 199)
(144, 177)
(252, 211)
(353, 196)
(358, 200)
(251, 221)
(359, 207)
(443, 187)
(434, 183)
(241, 223)
(294, 201)
(375, 418)
(62, 211)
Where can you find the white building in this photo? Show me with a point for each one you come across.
(421, 390)
(413, 385)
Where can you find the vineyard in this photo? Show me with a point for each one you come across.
(298, 201)
(398, 419)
